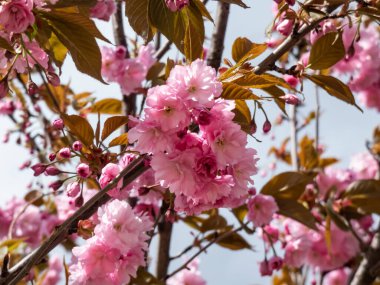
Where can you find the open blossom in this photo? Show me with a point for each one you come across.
(115, 252)
(53, 274)
(103, 10)
(16, 15)
(364, 166)
(36, 54)
(337, 277)
(261, 209)
(333, 177)
(129, 73)
(188, 276)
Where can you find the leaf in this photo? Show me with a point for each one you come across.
(308, 155)
(57, 50)
(184, 28)
(365, 195)
(233, 241)
(202, 8)
(55, 96)
(237, 2)
(240, 212)
(80, 127)
(120, 140)
(327, 51)
(252, 80)
(107, 106)
(335, 88)
(240, 48)
(287, 185)
(137, 14)
(80, 43)
(233, 91)
(255, 51)
(338, 220)
(112, 124)
(294, 210)
(242, 115)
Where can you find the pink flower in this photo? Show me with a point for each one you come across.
(146, 56)
(261, 209)
(364, 166)
(65, 152)
(265, 269)
(291, 80)
(337, 277)
(52, 171)
(317, 33)
(188, 276)
(103, 10)
(296, 252)
(38, 169)
(58, 124)
(83, 170)
(73, 189)
(285, 27)
(275, 263)
(53, 274)
(16, 15)
(291, 99)
(176, 5)
(37, 54)
(77, 146)
(334, 177)
(196, 82)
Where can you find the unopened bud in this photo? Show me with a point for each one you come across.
(32, 88)
(267, 127)
(52, 171)
(253, 127)
(58, 124)
(291, 99)
(52, 156)
(77, 146)
(53, 78)
(56, 185)
(38, 169)
(79, 201)
(4, 88)
(65, 152)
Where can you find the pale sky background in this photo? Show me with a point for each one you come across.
(343, 130)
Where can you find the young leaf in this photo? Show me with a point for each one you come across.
(194, 33)
(328, 50)
(80, 127)
(232, 241)
(109, 106)
(334, 87)
(241, 47)
(243, 116)
(112, 124)
(120, 140)
(365, 195)
(202, 8)
(234, 91)
(252, 80)
(137, 14)
(5, 45)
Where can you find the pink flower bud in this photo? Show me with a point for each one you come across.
(79, 201)
(52, 156)
(291, 2)
(176, 5)
(38, 169)
(37, 108)
(267, 126)
(275, 263)
(65, 152)
(291, 80)
(285, 27)
(120, 52)
(204, 118)
(73, 189)
(56, 185)
(52, 171)
(32, 88)
(58, 124)
(77, 146)
(265, 269)
(53, 78)
(4, 88)
(252, 191)
(253, 127)
(291, 99)
(83, 170)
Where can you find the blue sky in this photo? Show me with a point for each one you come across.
(344, 130)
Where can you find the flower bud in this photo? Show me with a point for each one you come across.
(58, 124)
(204, 118)
(38, 169)
(32, 88)
(265, 269)
(83, 170)
(275, 263)
(52, 171)
(176, 5)
(53, 78)
(79, 201)
(291, 80)
(285, 27)
(73, 189)
(77, 146)
(267, 126)
(65, 152)
(52, 156)
(291, 99)
(253, 127)
(291, 2)
(56, 185)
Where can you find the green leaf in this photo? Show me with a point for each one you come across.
(287, 185)
(79, 41)
(334, 87)
(237, 2)
(232, 91)
(327, 51)
(137, 14)
(365, 195)
(243, 115)
(80, 127)
(109, 106)
(296, 211)
(112, 124)
(120, 140)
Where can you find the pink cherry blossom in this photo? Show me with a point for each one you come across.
(176, 5)
(337, 277)
(53, 274)
(16, 15)
(103, 10)
(83, 170)
(261, 209)
(188, 276)
(364, 166)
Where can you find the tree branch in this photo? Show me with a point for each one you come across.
(217, 41)
(165, 229)
(22, 268)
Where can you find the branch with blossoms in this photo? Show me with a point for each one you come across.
(187, 154)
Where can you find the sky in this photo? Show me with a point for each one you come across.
(344, 131)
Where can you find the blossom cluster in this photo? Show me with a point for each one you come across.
(115, 251)
(129, 73)
(199, 153)
(188, 276)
